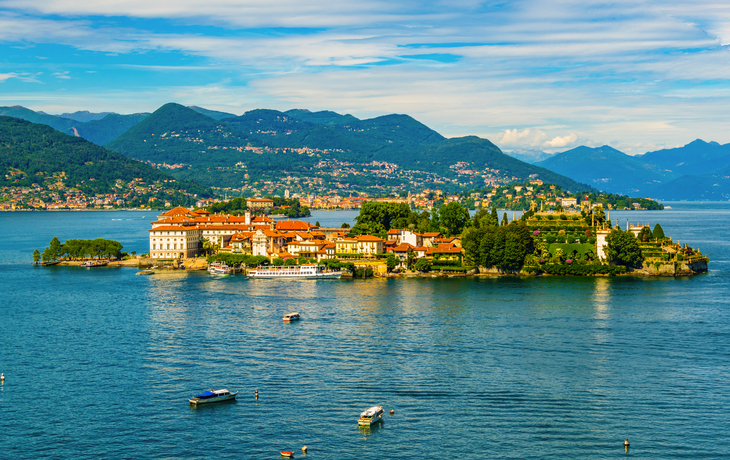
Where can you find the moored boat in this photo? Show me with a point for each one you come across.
(145, 272)
(219, 269)
(212, 396)
(308, 271)
(371, 416)
(94, 263)
(289, 317)
(287, 454)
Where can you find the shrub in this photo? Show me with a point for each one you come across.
(563, 217)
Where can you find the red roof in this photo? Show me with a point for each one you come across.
(293, 225)
(368, 238)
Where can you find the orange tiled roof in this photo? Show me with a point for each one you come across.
(368, 238)
(293, 225)
(175, 228)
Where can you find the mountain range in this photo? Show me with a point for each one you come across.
(223, 149)
(695, 171)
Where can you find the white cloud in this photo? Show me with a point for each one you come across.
(561, 141)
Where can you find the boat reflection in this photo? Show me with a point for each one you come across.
(368, 432)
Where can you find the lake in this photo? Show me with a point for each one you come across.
(99, 363)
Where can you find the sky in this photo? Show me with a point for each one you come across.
(527, 75)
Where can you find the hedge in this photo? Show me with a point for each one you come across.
(583, 270)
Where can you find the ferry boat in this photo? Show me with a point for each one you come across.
(289, 317)
(219, 269)
(212, 396)
(309, 271)
(371, 416)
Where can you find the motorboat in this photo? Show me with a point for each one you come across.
(289, 317)
(219, 269)
(145, 272)
(212, 396)
(371, 416)
(94, 263)
(287, 454)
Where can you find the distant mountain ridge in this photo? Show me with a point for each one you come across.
(182, 135)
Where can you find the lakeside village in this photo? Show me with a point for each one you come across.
(391, 239)
(136, 194)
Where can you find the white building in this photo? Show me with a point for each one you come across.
(172, 242)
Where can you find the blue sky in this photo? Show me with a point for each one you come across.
(548, 75)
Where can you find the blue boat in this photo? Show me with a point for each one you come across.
(212, 396)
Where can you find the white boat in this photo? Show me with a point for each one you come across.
(145, 272)
(371, 416)
(309, 271)
(219, 269)
(212, 396)
(289, 317)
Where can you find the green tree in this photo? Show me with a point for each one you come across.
(658, 232)
(422, 265)
(454, 218)
(373, 212)
(391, 261)
(36, 256)
(623, 249)
(345, 225)
(645, 235)
(56, 250)
(505, 220)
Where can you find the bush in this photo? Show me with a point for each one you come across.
(563, 217)
(584, 270)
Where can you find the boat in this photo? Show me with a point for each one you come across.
(48, 264)
(94, 263)
(371, 416)
(145, 272)
(307, 271)
(217, 268)
(212, 396)
(289, 317)
(287, 454)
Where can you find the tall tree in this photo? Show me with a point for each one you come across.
(454, 218)
(658, 232)
(623, 249)
(36, 256)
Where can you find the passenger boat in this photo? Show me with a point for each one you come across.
(212, 396)
(94, 263)
(308, 271)
(289, 317)
(219, 269)
(371, 416)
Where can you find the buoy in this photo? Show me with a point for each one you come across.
(2, 376)
(392, 412)
(304, 449)
(626, 443)
(256, 394)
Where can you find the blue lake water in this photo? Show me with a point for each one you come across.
(99, 363)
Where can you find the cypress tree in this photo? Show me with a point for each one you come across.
(504, 219)
(658, 232)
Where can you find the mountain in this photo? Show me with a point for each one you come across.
(107, 129)
(529, 156)
(701, 187)
(214, 114)
(57, 123)
(178, 134)
(84, 115)
(32, 153)
(608, 169)
(696, 158)
(324, 117)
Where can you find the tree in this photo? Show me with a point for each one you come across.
(391, 262)
(422, 265)
(623, 249)
(645, 235)
(317, 224)
(36, 256)
(345, 225)
(206, 245)
(373, 212)
(454, 218)
(658, 232)
(55, 248)
(505, 220)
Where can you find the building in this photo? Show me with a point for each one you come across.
(259, 203)
(172, 242)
